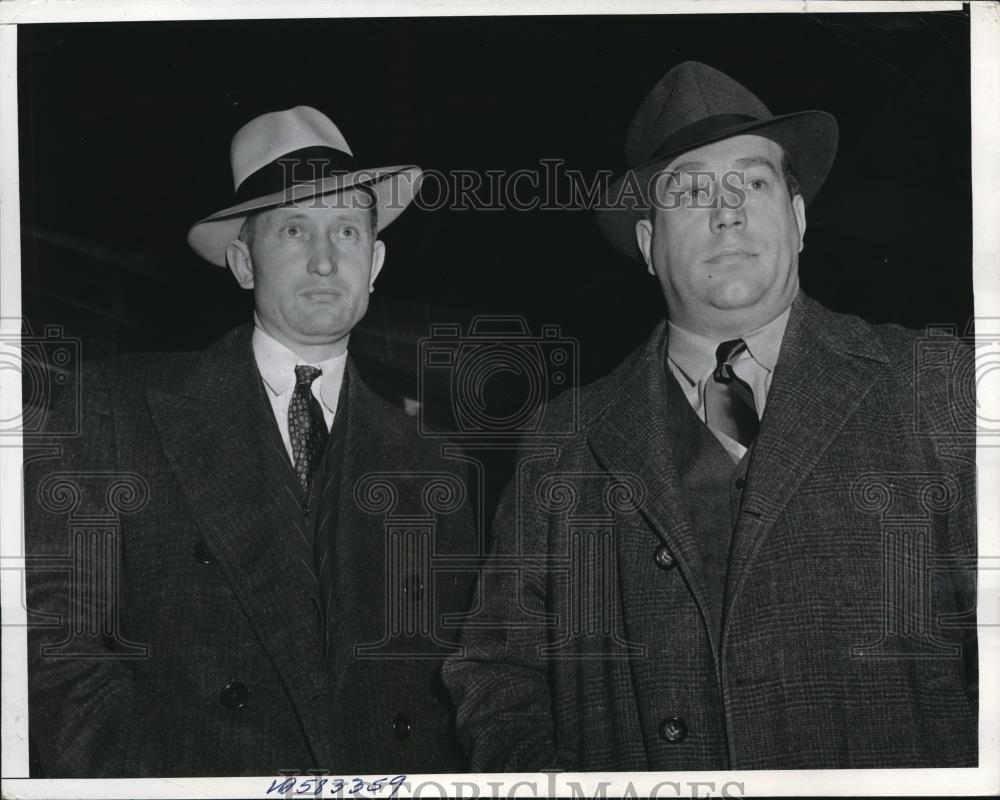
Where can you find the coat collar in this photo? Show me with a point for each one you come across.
(221, 440)
(827, 364)
(223, 445)
(374, 444)
(824, 370)
(636, 434)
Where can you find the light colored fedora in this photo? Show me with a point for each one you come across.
(693, 105)
(288, 157)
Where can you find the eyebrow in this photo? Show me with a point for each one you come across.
(687, 166)
(340, 214)
(740, 163)
(756, 161)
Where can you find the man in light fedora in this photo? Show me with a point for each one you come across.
(758, 550)
(248, 628)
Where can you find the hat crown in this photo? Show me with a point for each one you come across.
(689, 93)
(270, 136)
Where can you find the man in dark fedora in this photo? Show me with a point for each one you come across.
(758, 550)
(247, 609)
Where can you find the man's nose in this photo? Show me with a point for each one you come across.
(324, 258)
(726, 213)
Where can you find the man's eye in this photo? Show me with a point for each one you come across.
(292, 231)
(348, 232)
(756, 184)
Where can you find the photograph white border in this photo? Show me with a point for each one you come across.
(985, 88)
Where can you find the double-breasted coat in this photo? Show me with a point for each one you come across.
(848, 635)
(173, 626)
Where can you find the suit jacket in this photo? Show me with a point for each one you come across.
(204, 657)
(847, 639)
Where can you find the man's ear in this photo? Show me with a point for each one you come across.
(644, 238)
(378, 258)
(799, 208)
(239, 262)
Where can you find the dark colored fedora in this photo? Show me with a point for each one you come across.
(694, 105)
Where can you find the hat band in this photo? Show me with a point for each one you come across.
(696, 133)
(305, 165)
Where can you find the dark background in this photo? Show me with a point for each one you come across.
(125, 131)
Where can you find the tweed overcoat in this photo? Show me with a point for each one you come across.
(208, 661)
(848, 638)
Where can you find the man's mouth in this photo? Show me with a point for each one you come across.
(732, 254)
(321, 294)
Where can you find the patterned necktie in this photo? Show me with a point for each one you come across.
(729, 403)
(306, 426)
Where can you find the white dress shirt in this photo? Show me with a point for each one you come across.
(692, 360)
(276, 364)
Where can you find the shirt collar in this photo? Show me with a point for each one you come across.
(276, 364)
(694, 354)
(764, 344)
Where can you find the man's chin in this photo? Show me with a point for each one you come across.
(319, 330)
(738, 296)
(330, 319)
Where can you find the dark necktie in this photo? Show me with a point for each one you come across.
(729, 403)
(306, 426)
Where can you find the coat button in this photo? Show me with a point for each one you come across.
(234, 695)
(664, 558)
(673, 730)
(740, 483)
(203, 554)
(401, 727)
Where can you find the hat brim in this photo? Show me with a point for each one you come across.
(808, 137)
(394, 188)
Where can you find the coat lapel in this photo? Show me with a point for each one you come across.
(373, 443)
(221, 441)
(822, 374)
(821, 377)
(639, 434)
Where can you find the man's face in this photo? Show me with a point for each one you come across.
(725, 270)
(311, 270)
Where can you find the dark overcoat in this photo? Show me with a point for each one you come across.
(174, 628)
(848, 637)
